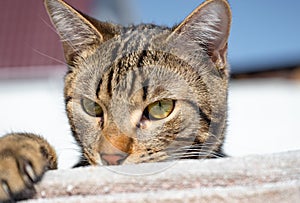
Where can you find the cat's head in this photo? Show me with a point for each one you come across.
(146, 93)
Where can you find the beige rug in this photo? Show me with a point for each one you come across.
(261, 178)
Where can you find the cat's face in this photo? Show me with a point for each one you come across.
(146, 93)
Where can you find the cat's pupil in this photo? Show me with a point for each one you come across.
(91, 108)
(160, 109)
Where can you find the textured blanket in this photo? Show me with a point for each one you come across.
(259, 178)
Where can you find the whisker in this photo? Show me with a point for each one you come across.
(202, 150)
(50, 57)
(55, 31)
(194, 147)
(49, 26)
(196, 154)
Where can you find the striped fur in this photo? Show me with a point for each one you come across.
(124, 69)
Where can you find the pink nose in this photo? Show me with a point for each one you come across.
(113, 159)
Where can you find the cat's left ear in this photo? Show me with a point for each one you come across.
(209, 26)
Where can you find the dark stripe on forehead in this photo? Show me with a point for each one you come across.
(145, 92)
(145, 89)
(118, 71)
(140, 61)
(109, 81)
(140, 64)
(98, 88)
(132, 83)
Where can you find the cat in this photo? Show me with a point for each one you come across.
(142, 93)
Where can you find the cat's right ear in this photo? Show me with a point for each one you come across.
(76, 30)
(207, 27)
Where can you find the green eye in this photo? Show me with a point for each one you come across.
(160, 109)
(92, 108)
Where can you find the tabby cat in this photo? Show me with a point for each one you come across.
(134, 94)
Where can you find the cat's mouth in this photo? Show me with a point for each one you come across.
(109, 155)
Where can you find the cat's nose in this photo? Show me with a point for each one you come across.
(113, 159)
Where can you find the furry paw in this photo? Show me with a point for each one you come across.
(24, 158)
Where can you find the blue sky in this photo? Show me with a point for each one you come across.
(265, 33)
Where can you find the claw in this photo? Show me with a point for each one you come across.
(29, 171)
(26, 171)
(6, 188)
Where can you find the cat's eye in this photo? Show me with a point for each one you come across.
(92, 108)
(160, 109)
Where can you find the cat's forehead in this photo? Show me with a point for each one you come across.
(140, 37)
(141, 76)
(138, 58)
(125, 49)
(142, 59)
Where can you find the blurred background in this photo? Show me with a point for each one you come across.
(264, 53)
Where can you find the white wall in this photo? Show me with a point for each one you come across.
(37, 106)
(264, 116)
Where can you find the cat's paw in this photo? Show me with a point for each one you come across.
(24, 158)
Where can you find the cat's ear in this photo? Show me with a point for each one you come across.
(209, 26)
(76, 30)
